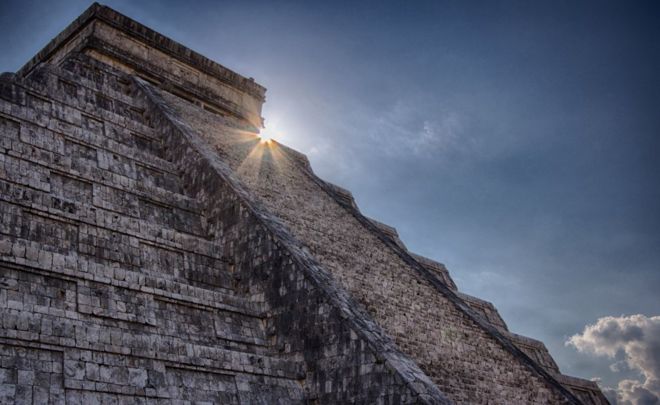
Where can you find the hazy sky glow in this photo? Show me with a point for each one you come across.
(516, 142)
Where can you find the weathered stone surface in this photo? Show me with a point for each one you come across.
(152, 249)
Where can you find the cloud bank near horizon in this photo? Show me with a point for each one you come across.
(635, 340)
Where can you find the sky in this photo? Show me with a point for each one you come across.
(516, 142)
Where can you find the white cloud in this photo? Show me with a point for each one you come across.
(611, 394)
(618, 366)
(405, 129)
(637, 338)
(442, 134)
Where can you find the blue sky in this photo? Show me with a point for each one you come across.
(516, 142)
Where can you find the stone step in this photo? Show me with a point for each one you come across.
(89, 153)
(46, 112)
(78, 79)
(32, 168)
(137, 245)
(75, 330)
(71, 209)
(51, 243)
(69, 152)
(21, 252)
(106, 95)
(114, 138)
(129, 309)
(84, 146)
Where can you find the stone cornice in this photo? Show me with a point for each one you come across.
(151, 38)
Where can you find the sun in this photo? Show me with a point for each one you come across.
(272, 131)
(265, 136)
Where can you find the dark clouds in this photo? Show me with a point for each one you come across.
(636, 338)
(517, 142)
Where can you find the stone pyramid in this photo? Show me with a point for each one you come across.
(154, 250)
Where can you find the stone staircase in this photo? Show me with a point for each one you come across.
(107, 267)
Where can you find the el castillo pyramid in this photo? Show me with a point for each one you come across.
(154, 250)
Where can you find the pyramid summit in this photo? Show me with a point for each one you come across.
(154, 250)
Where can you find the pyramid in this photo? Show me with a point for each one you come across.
(154, 250)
